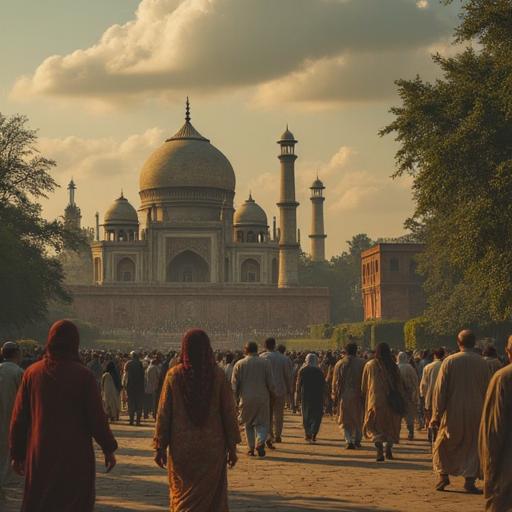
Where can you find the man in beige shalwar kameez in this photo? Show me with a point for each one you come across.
(456, 411)
(253, 386)
(10, 380)
(346, 394)
(496, 440)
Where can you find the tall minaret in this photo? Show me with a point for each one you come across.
(72, 214)
(288, 246)
(317, 235)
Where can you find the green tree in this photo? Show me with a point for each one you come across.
(455, 139)
(342, 275)
(30, 273)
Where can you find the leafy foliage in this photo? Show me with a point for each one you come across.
(455, 139)
(342, 275)
(30, 273)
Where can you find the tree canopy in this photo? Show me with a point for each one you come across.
(342, 275)
(455, 138)
(30, 273)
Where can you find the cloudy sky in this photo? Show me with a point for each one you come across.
(104, 81)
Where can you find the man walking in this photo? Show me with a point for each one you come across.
(151, 387)
(427, 384)
(10, 380)
(346, 395)
(496, 439)
(134, 384)
(456, 411)
(253, 387)
(281, 373)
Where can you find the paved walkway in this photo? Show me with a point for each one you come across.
(296, 477)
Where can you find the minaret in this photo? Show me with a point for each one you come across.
(288, 246)
(317, 235)
(72, 215)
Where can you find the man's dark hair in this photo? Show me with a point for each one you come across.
(251, 348)
(281, 348)
(439, 353)
(229, 358)
(351, 349)
(270, 343)
(490, 351)
(10, 352)
(467, 338)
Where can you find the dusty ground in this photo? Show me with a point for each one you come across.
(295, 478)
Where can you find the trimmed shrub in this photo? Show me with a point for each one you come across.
(418, 334)
(320, 331)
(390, 332)
(358, 332)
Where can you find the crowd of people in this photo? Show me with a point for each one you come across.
(53, 403)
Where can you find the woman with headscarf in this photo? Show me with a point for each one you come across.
(383, 394)
(310, 388)
(58, 412)
(411, 391)
(111, 391)
(196, 429)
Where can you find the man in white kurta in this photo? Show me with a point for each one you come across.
(10, 380)
(456, 410)
(253, 386)
(281, 372)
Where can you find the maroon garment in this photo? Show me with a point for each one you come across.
(197, 373)
(58, 411)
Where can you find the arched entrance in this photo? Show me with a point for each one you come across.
(188, 267)
(250, 271)
(126, 270)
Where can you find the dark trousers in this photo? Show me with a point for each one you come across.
(311, 417)
(135, 405)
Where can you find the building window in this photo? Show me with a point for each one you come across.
(376, 267)
(413, 268)
(250, 237)
(240, 236)
(250, 271)
(394, 265)
(97, 269)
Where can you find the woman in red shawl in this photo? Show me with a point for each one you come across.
(57, 414)
(197, 424)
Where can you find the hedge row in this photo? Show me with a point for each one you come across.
(419, 335)
(320, 331)
(368, 334)
(411, 335)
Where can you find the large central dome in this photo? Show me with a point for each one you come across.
(187, 160)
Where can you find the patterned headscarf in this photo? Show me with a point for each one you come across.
(197, 372)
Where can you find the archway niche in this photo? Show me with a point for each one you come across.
(188, 267)
(126, 270)
(250, 271)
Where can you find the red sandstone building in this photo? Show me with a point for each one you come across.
(391, 287)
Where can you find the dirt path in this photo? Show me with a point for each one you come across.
(297, 477)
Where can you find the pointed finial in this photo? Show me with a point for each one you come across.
(250, 196)
(122, 194)
(187, 111)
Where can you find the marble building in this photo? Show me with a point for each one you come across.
(186, 245)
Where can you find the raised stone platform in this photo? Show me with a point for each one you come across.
(231, 306)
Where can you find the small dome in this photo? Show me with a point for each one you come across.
(317, 184)
(121, 212)
(250, 214)
(287, 136)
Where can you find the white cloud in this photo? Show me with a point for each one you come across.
(314, 50)
(100, 167)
